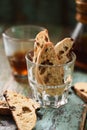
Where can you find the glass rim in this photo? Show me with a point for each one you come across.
(5, 33)
(59, 65)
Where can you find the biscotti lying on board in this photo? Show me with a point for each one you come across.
(22, 110)
(80, 89)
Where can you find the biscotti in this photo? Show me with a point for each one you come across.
(47, 55)
(48, 72)
(40, 40)
(62, 50)
(22, 109)
(81, 90)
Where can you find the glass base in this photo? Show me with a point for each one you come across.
(47, 97)
(46, 104)
(52, 101)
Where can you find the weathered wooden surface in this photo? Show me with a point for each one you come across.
(67, 117)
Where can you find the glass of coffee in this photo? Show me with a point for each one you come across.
(17, 41)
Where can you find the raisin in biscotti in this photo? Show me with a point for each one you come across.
(63, 48)
(40, 40)
(23, 110)
(81, 90)
(4, 108)
(50, 74)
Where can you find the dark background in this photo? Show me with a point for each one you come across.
(43, 12)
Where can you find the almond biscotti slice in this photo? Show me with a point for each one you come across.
(63, 48)
(47, 70)
(23, 110)
(81, 90)
(40, 40)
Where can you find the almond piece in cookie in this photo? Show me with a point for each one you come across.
(63, 48)
(48, 72)
(40, 40)
(81, 90)
(22, 109)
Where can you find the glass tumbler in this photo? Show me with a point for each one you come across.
(50, 93)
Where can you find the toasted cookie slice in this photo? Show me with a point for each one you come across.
(23, 110)
(62, 50)
(81, 90)
(47, 70)
(40, 40)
